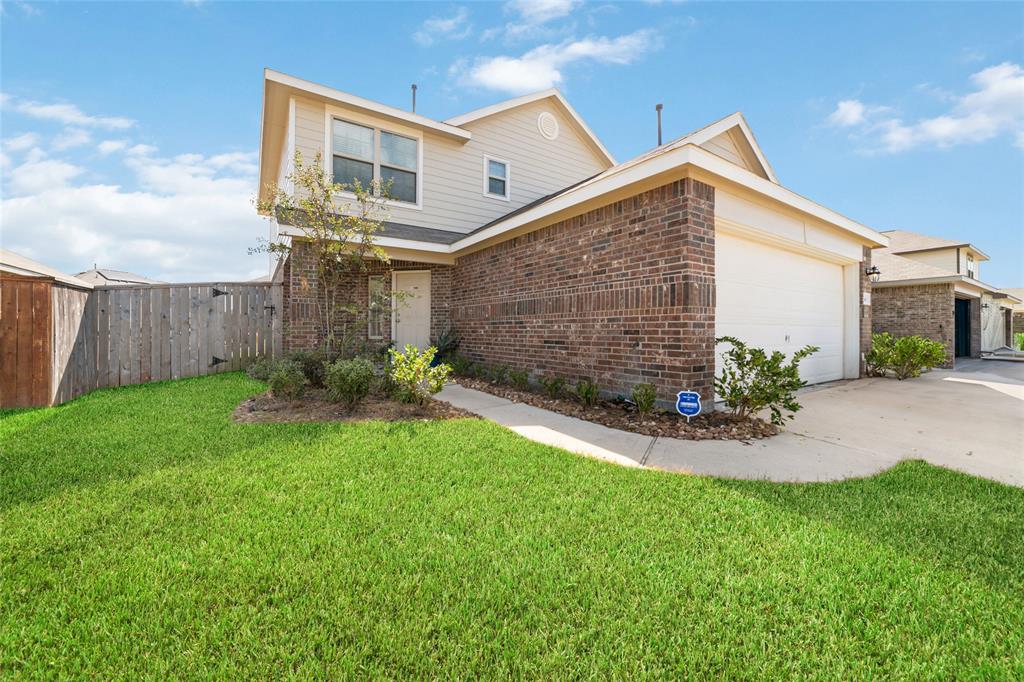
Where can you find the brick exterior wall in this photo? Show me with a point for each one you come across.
(300, 319)
(975, 311)
(865, 310)
(622, 294)
(925, 310)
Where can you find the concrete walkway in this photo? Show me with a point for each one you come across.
(971, 420)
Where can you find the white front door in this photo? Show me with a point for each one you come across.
(412, 309)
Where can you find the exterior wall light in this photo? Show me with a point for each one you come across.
(874, 273)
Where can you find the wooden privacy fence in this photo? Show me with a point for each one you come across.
(25, 340)
(122, 335)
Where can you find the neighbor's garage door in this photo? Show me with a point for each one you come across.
(780, 300)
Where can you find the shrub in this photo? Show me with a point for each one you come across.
(447, 343)
(752, 380)
(553, 386)
(497, 374)
(313, 364)
(461, 365)
(349, 381)
(913, 354)
(260, 368)
(1018, 340)
(520, 379)
(415, 380)
(879, 357)
(586, 392)
(644, 395)
(287, 380)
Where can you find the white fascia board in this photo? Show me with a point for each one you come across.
(366, 104)
(493, 109)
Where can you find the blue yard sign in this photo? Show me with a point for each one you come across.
(688, 404)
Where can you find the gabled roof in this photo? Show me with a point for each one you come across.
(904, 241)
(902, 271)
(22, 265)
(551, 93)
(736, 125)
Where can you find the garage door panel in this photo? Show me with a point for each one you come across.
(780, 300)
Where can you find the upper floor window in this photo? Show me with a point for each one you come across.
(970, 266)
(366, 154)
(496, 178)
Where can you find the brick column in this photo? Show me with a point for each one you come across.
(975, 309)
(865, 309)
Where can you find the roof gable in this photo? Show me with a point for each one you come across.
(732, 139)
(556, 98)
(904, 241)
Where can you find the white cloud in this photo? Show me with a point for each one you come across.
(455, 27)
(542, 67)
(67, 114)
(542, 11)
(190, 220)
(110, 146)
(995, 107)
(71, 137)
(38, 176)
(141, 150)
(20, 143)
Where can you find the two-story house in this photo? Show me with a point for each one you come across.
(932, 287)
(514, 226)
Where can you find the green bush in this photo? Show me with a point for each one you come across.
(497, 374)
(879, 358)
(461, 365)
(520, 379)
(313, 364)
(414, 379)
(260, 368)
(587, 392)
(753, 380)
(447, 343)
(904, 356)
(349, 381)
(644, 395)
(1018, 340)
(912, 355)
(554, 387)
(287, 380)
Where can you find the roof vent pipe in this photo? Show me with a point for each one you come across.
(658, 108)
(414, 98)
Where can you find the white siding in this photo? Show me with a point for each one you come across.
(452, 176)
(726, 148)
(941, 258)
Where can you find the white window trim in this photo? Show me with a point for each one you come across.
(369, 312)
(331, 113)
(487, 177)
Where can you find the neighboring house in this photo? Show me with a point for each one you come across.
(1017, 319)
(514, 226)
(104, 276)
(932, 287)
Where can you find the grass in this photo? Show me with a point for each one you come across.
(143, 534)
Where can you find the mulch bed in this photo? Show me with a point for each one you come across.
(713, 425)
(314, 407)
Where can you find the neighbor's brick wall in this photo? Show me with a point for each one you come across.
(300, 318)
(925, 310)
(865, 310)
(622, 294)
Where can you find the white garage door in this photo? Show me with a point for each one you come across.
(780, 300)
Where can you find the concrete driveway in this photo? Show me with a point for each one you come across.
(970, 419)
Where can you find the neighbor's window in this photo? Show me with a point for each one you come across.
(496, 181)
(377, 302)
(363, 153)
(970, 266)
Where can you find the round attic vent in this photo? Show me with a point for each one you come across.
(547, 124)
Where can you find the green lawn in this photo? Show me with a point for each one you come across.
(143, 533)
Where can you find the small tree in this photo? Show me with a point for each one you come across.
(753, 380)
(339, 234)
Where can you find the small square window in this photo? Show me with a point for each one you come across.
(496, 180)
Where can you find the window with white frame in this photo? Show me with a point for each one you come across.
(970, 266)
(496, 178)
(364, 154)
(376, 307)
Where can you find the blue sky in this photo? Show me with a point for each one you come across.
(129, 131)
